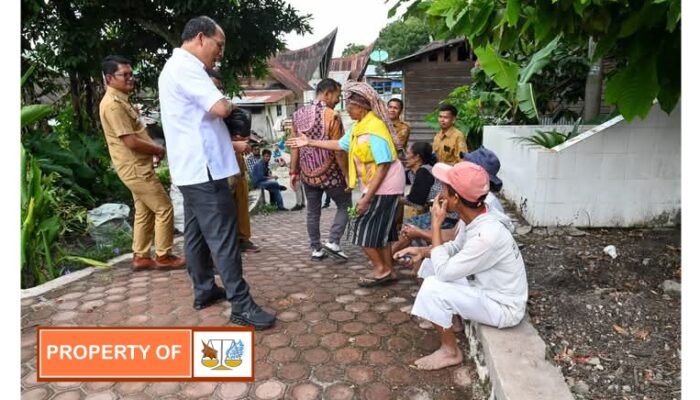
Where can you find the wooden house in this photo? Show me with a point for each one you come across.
(429, 75)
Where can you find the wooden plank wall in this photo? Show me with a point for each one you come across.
(426, 83)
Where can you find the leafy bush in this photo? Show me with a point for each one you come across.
(471, 117)
(549, 139)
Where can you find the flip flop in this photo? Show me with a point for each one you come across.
(375, 282)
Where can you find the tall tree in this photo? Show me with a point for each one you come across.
(401, 38)
(69, 39)
(353, 48)
(643, 36)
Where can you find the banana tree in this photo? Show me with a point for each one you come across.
(39, 256)
(515, 80)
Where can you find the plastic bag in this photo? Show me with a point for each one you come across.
(107, 220)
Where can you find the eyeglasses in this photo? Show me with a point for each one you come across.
(219, 44)
(126, 75)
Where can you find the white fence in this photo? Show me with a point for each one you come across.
(615, 174)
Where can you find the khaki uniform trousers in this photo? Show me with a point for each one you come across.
(153, 214)
(239, 187)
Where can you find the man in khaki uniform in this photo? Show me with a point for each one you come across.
(403, 130)
(133, 153)
(450, 144)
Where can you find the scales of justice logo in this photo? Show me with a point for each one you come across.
(229, 359)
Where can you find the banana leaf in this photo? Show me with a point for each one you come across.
(526, 101)
(33, 113)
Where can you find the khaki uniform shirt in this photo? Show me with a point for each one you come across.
(119, 118)
(403, 131)
(447, 146)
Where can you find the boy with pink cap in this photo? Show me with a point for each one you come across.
(485, 248)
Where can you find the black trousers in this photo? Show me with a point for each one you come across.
(211, 233)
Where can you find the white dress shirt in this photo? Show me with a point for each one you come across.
(195, 139)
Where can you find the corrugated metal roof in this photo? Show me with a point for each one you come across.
(304, 62)
(262, 96)
(286, 77)
(356, 63)
(438, 44)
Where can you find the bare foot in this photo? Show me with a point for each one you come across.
(442, 358)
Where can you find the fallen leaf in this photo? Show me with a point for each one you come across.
(582, 360)
(640, 334)
(648, 375)
(620, 330)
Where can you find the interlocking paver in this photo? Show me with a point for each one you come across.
(333, 340)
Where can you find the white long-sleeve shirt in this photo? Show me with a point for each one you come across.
(486, 249)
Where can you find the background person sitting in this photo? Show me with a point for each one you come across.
(488, 160)
(263, 178)
(277, 155)
(484, 248)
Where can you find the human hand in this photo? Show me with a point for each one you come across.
(409, 231)
(294, 179)
(241, 147)
(298, 141)
(362, 205)
(438, 212)
(409, 256)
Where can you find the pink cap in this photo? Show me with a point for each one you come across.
(469, 180)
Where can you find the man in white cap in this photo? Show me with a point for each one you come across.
(485, 248)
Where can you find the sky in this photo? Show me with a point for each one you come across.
(358, 21)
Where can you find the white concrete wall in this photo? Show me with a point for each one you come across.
(616, 174)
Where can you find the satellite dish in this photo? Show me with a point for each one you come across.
(378, 55)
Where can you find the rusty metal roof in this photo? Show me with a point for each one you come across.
(262, 96)
(356, 63)
(304, 62)
(394, 65)
(286, 77)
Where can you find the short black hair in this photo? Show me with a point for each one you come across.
(396, 101)
(479, 203)
(327, 85)
(214, 74)
(450, 108)
(110, 64)
(424, 150)
(266, 152)
(202, 24)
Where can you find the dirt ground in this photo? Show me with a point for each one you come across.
(606, 322)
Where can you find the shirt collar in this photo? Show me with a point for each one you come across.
(448, 132)
(117, 93)
(180, 52)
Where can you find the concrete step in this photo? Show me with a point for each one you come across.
(513, 362)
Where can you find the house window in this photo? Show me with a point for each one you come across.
(279, 110)
(447, 54)
(432, 57)
(462, 54)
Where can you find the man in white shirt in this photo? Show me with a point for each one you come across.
(484, 248)
(201, 158)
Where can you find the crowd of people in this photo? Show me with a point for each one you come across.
(449, 228)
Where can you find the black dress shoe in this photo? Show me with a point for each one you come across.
(216, 295)
(250, 314)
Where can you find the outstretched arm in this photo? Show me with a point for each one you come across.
(302, 140)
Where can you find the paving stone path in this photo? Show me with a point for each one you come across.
(333, 340)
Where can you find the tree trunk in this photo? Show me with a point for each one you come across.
(594, 85)
(75, 100)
